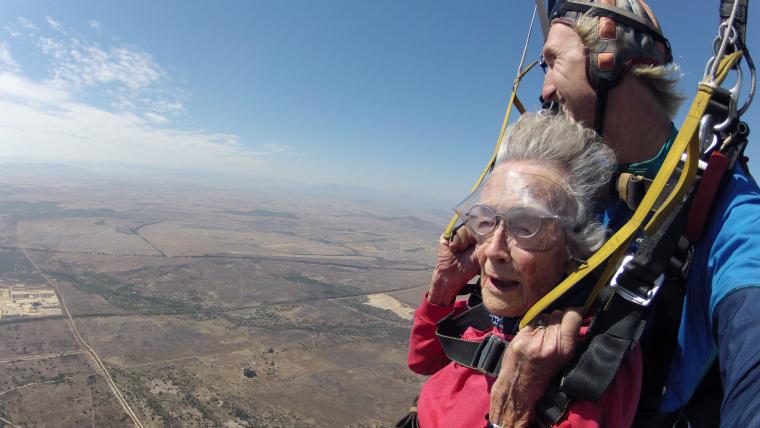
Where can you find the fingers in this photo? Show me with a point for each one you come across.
(552, 335)
(461, 240)
(570, 325)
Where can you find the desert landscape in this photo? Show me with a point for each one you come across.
(184, 305)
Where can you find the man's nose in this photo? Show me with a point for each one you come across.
(548, 93)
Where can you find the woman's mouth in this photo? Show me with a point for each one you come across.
(502, 284)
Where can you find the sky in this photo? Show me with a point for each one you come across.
(393, 95)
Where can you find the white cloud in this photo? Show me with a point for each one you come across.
(53, 48)
(19, 89)
(95, 25)
(171, 107)
(131, 78)
(7, 63)
(156, 118)
(80, 65)
(276, 148)
(29, 25)
(55, 118)
(55, 25)
(272, 148)
(44, 123)
(12, 31)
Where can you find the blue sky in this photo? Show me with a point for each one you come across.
(392, 95)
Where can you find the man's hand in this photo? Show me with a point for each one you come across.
(455, 266)
(533, 358)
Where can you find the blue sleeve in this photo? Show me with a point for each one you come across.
(734, 232)
(737, 318)
(726, 261)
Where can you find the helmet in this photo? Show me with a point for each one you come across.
(628, 34)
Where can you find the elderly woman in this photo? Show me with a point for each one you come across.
(526, 228)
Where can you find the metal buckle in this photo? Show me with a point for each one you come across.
(630, 295)
(487, 358)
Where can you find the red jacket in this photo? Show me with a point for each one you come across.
(457, 396)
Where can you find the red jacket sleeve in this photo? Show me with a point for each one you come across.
(425, 353)
(617, 407)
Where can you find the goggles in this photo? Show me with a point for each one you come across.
(530, 228)
(526, 205)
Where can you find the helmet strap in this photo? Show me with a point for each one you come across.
(603, 87)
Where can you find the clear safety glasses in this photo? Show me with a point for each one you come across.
(531, 229)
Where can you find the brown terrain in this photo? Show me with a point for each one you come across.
(192, 306)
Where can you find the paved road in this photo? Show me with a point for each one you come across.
(115, 389)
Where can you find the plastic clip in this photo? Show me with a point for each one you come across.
(487, 358)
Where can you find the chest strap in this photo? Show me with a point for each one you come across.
(483, 355)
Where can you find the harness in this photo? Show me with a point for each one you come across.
(635, 282)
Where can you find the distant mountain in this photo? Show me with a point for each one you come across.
(43, 170)
(360, 194)
(412, 221)
(427, 206)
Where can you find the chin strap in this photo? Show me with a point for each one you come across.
(603, 87)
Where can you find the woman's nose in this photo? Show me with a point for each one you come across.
(499, 245)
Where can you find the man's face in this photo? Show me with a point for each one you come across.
(565, 80)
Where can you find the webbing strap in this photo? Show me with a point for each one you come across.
(711, 179)
(552, 406)
(659, 344)
(483, 355)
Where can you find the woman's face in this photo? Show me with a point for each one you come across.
(512, 278)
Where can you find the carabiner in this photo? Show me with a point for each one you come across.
(732, 103)
(708, 140)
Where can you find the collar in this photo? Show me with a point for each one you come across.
(505, 325)
(649, 168)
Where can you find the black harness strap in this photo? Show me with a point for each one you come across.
(551, 408)
(484, 355)
(660, 341)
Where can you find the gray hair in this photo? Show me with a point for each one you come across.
(557, 141)
(662, 80)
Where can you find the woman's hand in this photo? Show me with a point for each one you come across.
(455, 266)
(533, 358)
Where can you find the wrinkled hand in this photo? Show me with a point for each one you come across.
(533, 358)
(455, 266)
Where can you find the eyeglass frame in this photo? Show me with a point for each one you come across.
(503, 218)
